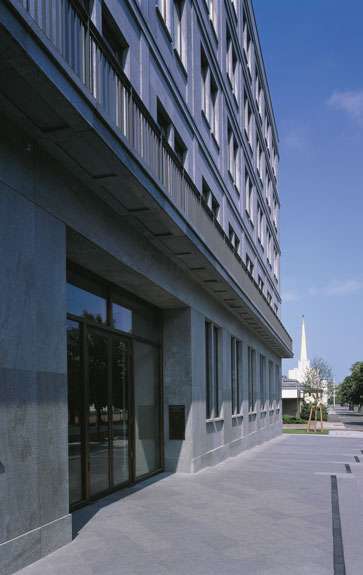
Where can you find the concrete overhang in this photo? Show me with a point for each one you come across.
(41, 94)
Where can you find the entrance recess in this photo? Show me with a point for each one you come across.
(114, 388)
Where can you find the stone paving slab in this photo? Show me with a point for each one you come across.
(267, 511)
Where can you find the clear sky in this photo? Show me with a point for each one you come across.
(313, 54)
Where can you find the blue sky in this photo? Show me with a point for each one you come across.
(313, 54)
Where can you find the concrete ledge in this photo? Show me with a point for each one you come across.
(236, 447)
(25, 549)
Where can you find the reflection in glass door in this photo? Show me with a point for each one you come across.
(120, 411)
(98, 419)
(108, 421)
(75, 460)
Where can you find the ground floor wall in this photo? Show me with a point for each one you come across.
(215, 370)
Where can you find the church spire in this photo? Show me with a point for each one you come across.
(303, 355)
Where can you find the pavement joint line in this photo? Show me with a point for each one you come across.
(338, 549)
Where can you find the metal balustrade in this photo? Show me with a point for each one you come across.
(74, 36)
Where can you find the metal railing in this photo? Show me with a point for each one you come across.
(71, 32)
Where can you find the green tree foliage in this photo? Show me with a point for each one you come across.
(318, 380)
(351, 389)
(305, 412)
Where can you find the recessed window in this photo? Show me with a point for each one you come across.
(258, 94)
(262, 382)
(260, 284)
(259, 159)
(232, 154)
(248, 119)
(236, 375)
(276, 264)
(251, 379)
(247, 42)
(163, 121)
(271, 386)
(269, 245)
(162, 5)
(179, 148)
(212, 370)
(210, 199)
(249, 265)
(232, 236)
(275, 213)
(249, 196)
(179, 31)
(112, 36)
(260, 225)
(231, 62)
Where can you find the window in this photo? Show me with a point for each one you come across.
(268, 190)
(278, 384)
(162, 5)
(248, 119)
(258, 94)
(178, 27)
(212, 370)
(209, 94)
(233, 238)
(267, 133)
(249, 196)
(251, 379)
(249, 266)
(276, 264)
(262, 382)
(276, 309)
(214, 106)
(236, 375)
(274, 161)
(260, 284)
(163, 121)
(210, 199)
(260, 224)
(179, 148)
(259, 159)
(232, 154)
(112, 36)
(269, 245)
(231, 63)
(247, 44)
(275, 213)
(269, 298)
(271, 392)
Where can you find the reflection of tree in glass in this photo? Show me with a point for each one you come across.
(97, 377)
(119, 374)
(89, 316)
(74, 372)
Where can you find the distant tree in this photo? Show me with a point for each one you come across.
(318, 380)
(351, 389)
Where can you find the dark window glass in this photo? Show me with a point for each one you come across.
(85, 304)
(74, 411)
(121, 318)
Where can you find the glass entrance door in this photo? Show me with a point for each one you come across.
(108, 410)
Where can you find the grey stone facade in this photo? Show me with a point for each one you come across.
(86, 177)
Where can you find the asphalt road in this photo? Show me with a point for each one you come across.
(352, 420)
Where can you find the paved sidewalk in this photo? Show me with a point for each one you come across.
(266, 512)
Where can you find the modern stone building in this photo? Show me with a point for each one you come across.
(139, 226)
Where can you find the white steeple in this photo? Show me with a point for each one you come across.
(303, 364)
(303, 355)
